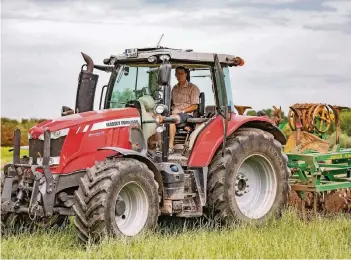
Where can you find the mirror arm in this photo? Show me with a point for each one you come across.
(104, 68)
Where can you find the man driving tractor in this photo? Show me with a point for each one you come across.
(94, 165)
(185, 100)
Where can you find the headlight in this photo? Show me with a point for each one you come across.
(159, 109)
(160, 129)
(59, 133)
(56, 134)
(151, 59)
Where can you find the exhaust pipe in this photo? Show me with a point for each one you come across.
(86, 87)
(89, 61)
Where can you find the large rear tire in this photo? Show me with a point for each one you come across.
(250, 182)
(115, 198)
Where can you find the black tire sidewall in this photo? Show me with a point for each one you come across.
(264, 147)
(146, 181)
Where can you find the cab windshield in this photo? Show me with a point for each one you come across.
(133, 82)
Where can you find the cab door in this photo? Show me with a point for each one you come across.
(221, 97)
(220, 88)
(215, 130)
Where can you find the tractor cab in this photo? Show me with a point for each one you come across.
(139, 88)
(144, 78)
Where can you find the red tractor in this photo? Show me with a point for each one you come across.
(102, 166)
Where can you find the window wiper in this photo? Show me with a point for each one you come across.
(120, 74)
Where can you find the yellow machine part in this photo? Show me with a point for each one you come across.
(241, 109)
(308, 141)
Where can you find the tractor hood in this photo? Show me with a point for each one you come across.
(90, 120)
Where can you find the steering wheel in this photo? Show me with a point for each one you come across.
(141, 92)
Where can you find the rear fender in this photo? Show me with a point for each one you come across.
(268, 127)
(140, 157)
(211, 136)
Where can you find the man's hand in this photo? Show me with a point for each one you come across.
(176, 111)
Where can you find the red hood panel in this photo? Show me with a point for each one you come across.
(82, 118)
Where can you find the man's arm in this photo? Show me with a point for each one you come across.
(190, 109)
(195, 100)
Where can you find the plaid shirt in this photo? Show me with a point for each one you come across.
(183, 97)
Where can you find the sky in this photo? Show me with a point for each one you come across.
(295, 51)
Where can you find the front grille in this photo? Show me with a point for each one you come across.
(36, 147)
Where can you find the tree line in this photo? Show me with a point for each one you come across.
(9, 125)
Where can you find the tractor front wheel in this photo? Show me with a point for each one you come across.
(250, 182)
(116, 198)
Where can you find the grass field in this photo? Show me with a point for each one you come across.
(6, 156)
(289, 238)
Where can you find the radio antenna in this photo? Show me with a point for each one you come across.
(158, 45)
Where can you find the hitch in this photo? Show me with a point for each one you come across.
(16, 169)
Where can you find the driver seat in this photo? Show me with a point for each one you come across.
(198, 113)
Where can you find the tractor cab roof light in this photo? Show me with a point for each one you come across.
(152, 59)
(165, 57)
(238, 61)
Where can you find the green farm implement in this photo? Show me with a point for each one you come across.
(321, 181)
(321, 173)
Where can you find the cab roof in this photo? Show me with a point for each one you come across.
(176, 55)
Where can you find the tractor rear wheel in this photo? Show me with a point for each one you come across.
(115, 198)
(250, 182)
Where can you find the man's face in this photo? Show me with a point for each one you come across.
(180, 75)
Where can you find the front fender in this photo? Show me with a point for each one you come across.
(211, 136)
(140, 157)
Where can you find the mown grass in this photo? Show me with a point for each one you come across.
(288, 238)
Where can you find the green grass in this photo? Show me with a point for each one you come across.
(288, 238)
(6, 156)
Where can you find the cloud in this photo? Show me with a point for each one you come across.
(295, 51)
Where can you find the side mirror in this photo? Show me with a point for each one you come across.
(126, 71)
(164, 74)
(65, 111)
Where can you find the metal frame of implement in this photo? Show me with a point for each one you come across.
(313, 173)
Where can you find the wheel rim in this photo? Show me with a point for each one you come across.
(131, 210)
(255, 186)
